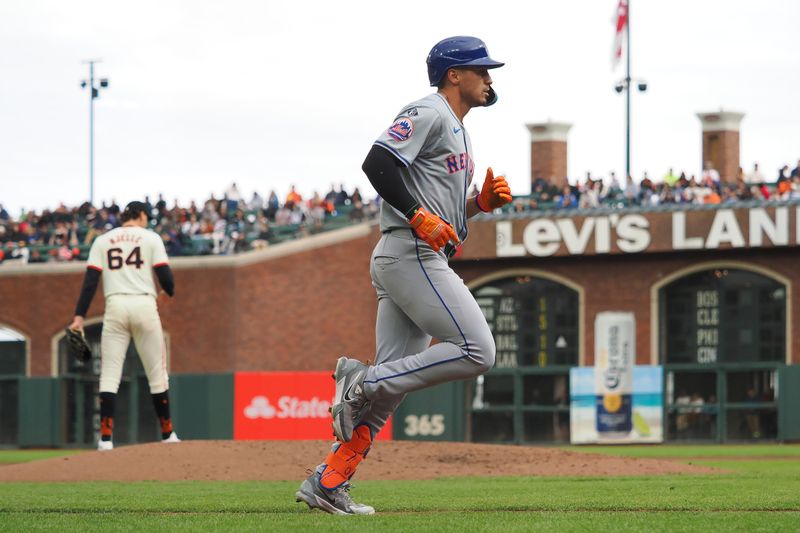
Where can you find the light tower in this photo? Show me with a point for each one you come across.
(94, 92)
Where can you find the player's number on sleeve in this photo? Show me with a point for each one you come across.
(424, 425)
(115, 258)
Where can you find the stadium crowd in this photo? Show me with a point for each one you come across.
(673, 188)
(227, 225)
(232, 224)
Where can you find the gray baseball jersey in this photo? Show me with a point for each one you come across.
(435, 148)
(419, 296)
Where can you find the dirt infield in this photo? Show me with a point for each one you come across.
(288, 460)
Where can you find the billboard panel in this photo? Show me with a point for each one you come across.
(285, 406)
(647, 407)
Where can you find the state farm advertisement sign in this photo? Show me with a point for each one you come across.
(285, 406)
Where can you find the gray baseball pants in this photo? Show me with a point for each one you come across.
(420, 298)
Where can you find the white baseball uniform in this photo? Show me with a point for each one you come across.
(126, 257)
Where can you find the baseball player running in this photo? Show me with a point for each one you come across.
(421, 166)
(125, 257)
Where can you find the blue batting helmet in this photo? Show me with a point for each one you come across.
(459, 51)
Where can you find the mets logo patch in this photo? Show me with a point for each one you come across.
(402, 129)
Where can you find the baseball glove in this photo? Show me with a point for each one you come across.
(77, 346)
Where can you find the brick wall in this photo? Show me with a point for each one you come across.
(722, 149)
(296, 312)
(302, 310)
(624, 283)
(549, 161)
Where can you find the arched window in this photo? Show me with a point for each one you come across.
(723, 316)
(13, 365)
(13, 352)
(525, 398)
(534, 321)
(722, 339)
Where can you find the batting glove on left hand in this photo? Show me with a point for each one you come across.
(495, 192)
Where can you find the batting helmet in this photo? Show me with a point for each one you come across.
(459, 51)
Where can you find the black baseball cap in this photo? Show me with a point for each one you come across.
(133, 209)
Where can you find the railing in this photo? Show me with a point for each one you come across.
(547, 210)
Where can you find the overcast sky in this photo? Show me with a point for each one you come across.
(269, 94)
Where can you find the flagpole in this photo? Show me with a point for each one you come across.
(628, 94)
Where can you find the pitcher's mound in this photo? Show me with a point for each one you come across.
(288, 460)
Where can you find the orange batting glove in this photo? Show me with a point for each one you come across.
(495, 193)
(432, 229)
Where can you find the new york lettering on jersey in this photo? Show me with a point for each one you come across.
(126, 257)
(459, 162)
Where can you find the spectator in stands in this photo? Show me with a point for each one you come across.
(589, 197)
(646, 188)
(16, 252)
(670, 178)
(232, 198)
(566, 199)
(265, 233)
(740, 177)
(218, 236)
(783, 188)
(729, 196)
(272, 205)
(256, 202)
(766, 194)
(712, 197)
(330, 196)
(149, 205)
(316, 210)
(235, 243)
(296, 214)
(356, 196)
(210, 210)
(237, 223)
(665, 194)
(612, 190)
(342, 198)
(172, 242)
(99, 224)
(743, 192)
(795, 171)
(34, 234)
(293, 197)
(63, 235)
(631, 191)
(710, 176)
(161, 206)
(357, 213)
(283, 214)
(113, 209)
(191, 227)
(13, 233)
(3, 213)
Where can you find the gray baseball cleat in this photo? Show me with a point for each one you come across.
(337, 501)
(350, 398)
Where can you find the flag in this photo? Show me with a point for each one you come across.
(622, 26)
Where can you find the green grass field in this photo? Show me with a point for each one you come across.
(761, 494)
(23, 456)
